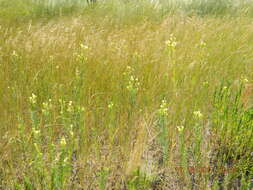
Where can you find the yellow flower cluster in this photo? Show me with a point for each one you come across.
(163, 110)
(33, 99)
(171, 43)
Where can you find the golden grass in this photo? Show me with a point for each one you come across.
(46, 59)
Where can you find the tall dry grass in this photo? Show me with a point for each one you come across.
(90, 102)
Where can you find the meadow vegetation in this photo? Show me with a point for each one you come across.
(134, 95)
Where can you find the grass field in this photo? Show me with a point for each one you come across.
(126, 95)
